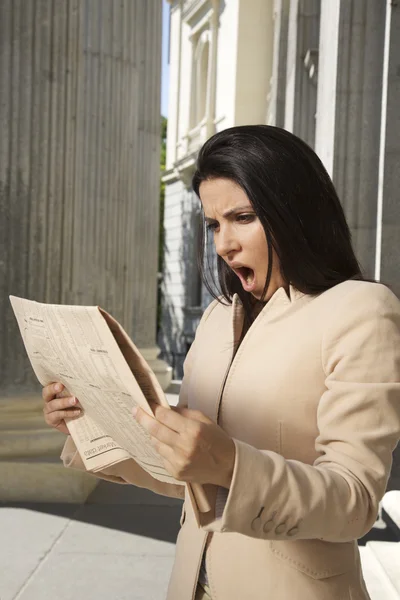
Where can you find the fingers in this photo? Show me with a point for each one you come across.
(176, 460)
(175, 419)
(59, 409)
(55, 418)
(173, 462)
(50, 391)
(179, 420)
(60, 404)
(158, 430)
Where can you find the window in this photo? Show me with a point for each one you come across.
(200, 69)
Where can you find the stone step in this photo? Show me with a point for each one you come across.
(380, 563)
(172, 399)
(23, 431)
(30, 465)
(30, 439)
(43, 479)
(174, 386)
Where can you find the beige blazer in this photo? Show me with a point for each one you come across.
(312, 400)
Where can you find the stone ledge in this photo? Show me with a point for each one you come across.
(30, 467)
(43, 481)
(23, 432)
(174, 387)
(28, 404)
(30, 442)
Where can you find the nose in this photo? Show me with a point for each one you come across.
(226, 242)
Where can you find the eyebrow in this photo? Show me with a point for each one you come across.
(232, 211)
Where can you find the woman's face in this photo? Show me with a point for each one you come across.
(239, 236)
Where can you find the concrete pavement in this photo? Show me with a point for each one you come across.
(97, 551)
(118, 545)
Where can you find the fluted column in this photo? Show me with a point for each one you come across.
(79, 171)
(358, 120)
(277, 94)
(387, 266)
(301, 89)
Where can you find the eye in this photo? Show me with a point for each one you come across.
(245, 218)
(212, 225)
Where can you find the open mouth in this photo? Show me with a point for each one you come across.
(247, 277)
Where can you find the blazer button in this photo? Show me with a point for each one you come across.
(268, 526)
(280, 529)
(293, 531)
(256, 523)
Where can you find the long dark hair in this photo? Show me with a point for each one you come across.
(296, 202)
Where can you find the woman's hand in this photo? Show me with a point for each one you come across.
(193, 447)
(57, 409)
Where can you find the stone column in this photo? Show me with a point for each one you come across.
(357, 120)
(387, 263)
(302, 67)
(387, 266)
(291, 65)
(79, 191)
(327, 78)
(276, 100)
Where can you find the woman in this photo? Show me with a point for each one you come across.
(290, 403)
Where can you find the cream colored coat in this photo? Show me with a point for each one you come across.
(312, 400)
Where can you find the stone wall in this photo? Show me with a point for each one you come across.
(79, 198)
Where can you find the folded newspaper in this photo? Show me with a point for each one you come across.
(88, 351)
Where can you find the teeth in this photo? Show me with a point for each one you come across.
(249, 278)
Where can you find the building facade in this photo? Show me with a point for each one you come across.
(326, 70)
(220, 71)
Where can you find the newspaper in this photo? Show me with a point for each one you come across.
(88, 351)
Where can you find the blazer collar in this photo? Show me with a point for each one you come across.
(280, 299)
(279, 302)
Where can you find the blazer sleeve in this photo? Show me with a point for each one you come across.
(336, 498)
(128, 471)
